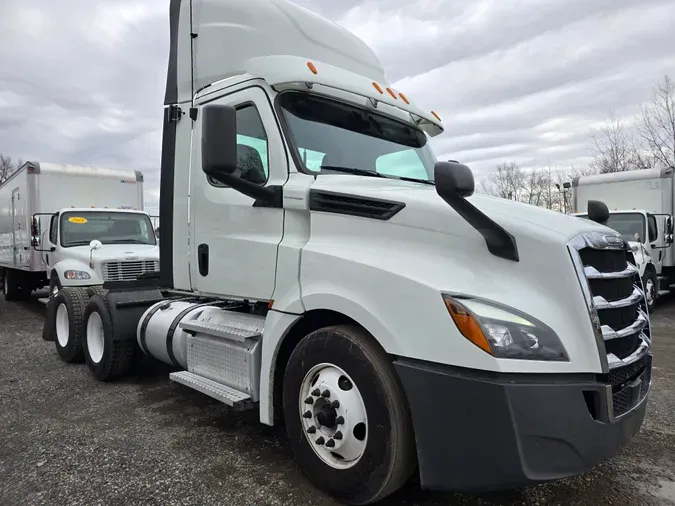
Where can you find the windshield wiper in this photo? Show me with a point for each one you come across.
(415, 180)
(353, 170)
(130, 241)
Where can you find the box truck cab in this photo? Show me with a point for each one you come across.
(320, 266)
(87, 246)
(44, 203)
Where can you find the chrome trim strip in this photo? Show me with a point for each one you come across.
(608, 333)
(643, 349)
(592, 273)
(599, 240)
(636, 296)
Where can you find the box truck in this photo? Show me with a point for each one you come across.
(641, 209)
(68, 225)
(320, 266)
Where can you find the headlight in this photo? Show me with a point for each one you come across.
(76, 275)
(504, 332)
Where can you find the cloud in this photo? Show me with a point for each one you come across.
(82, 81)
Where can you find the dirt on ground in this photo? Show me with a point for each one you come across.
(67, 439)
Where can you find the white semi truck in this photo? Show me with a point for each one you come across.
(318, 265)
(641, 206)
(68, 225)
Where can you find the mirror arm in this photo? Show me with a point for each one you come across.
(265, 196)
(499, 241)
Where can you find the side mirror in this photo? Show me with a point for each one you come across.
(219, 141)
(598, 211)
(453, 179)
(95, 244)
(454, 182)
(35, 232)
(669, 225)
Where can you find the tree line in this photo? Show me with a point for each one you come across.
(614, 148)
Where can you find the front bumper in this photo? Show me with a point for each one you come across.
(479, 431)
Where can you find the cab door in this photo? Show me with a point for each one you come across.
(234, 244)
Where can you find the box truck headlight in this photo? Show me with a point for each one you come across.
(504, 332)
(76, 275)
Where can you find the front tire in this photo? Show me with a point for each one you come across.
(650, 284)
(374, 453)
(65, 321)
(107, 359)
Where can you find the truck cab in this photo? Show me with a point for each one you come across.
(318, 264)
(89, 246)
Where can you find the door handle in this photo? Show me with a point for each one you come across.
(203, 259)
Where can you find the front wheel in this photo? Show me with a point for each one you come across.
(649, 281)
(347, 417)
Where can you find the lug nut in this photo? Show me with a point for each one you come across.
(325, 393)
(340, 420)
(312, 430)
(316, 392)
(330, 443)
(335, 404)
(307, 414)
(309, 400)
(320, 440)
(337, 435)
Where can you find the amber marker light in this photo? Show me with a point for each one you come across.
(467, 324)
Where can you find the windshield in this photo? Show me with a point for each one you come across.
(627, 224)
(80, 228)
(330, 135)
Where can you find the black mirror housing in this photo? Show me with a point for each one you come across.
(219, 140)
(598, 211)
(453, 178)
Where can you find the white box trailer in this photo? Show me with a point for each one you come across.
(46, 188)
(640, 202)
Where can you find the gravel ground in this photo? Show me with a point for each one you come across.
(67, 439)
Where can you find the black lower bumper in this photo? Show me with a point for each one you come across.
(487, 431)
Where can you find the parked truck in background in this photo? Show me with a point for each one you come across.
(320, 266)
(641, 205)
(67, 225)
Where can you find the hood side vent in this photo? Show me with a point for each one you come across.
(353, 205)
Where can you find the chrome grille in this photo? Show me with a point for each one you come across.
(616, 303)
(127, 270)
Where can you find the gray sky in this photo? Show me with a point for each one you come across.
(82, 81)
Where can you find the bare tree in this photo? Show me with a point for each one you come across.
(506, 181)
(616, 150)
(7, 167)
(656, 123)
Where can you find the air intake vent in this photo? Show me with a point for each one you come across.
(340, 203)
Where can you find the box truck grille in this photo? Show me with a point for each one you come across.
(616, 303)
(127, 270)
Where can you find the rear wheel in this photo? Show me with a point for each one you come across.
(11, 288)
(107, 359)
(347, 417)
(66, 323)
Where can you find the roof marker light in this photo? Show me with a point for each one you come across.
(378, 87)
(404, 98)
(311, 67)
(391, 92)
(436, 115)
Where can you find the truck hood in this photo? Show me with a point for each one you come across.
(116, 252)
(425, 209)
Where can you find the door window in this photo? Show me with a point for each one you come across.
(53, 230)
(252, 159)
